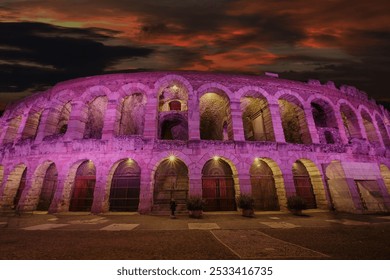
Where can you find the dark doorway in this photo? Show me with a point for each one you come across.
(125, 187)
(218, 186)
(303, 185)
(49, 186)
(171, 182)
(84, 185)
(263, 187)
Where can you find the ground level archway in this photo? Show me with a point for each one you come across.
(263, 186)
(303, 184)
(83, 188)
(49, 186)
(170, 182)
(218, 186)
(125, 187)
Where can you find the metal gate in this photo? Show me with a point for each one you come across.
(264, 193)
(124, 193)
(219, 193)
(304, 189)
(82, 196)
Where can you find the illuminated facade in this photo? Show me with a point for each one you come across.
(131, 142)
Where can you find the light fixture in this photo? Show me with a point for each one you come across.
(216, 157)
(172, 158)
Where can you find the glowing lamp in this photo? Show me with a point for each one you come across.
(215, 157)
(172, 158)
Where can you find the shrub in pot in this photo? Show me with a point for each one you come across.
(195, 206)
(247, 204)
(296, 204)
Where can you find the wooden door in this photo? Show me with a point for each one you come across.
(264, 193)
(219, 194)
(304, 189)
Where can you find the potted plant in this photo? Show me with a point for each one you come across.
(247, 204)
(195, 206)
(296, 204)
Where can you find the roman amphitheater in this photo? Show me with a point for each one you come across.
(131, 142)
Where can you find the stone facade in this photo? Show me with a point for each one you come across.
(132, 142)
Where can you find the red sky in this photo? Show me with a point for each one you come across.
(44, 42)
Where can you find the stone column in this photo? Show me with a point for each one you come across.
(194, 120)
(22, 124)
(77, 120)
(100, 191)
(150, 127)
(341, 127)
(277, 123)
(110, 120)
(238, 128)
(244, 181)
(42, 126)
(62, 195)
(195, 181)
(378, 134)
(30, 196)
(146, 194)
(363, 131)
(311, 126)
(4, 127)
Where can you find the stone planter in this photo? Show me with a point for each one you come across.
(196, 214)
(296, 212)
(248, 213)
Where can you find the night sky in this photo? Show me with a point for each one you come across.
(45, 42)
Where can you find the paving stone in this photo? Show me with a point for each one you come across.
(45, 226)
(118, 227)
(349, 222)
(279, 225)
(89, 221)
(253, 244)
(206, 226)
(274, 218)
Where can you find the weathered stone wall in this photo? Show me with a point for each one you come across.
(59, 126)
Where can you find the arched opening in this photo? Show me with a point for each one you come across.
(303, 184)
(174, 126)
(325, 121)
(1, 175)
(215, 117)
(83, 188)
(21, 188)
(385, 172)
(383, 131)
(12, 130)
(95, 118)
(294, 121)
(49, 186)
(132, 115)
(32, 123)
(256, 118)
(125, 187)
(172, 112)
(170, 182)
(263, 186)
(372, 135)
(218, 186)
(350, 121)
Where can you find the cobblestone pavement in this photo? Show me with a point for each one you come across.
(228, 235)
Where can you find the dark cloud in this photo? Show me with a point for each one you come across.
(36, 54)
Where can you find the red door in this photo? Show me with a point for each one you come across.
(304, 189)
(219, 194)
(82, 196)
(264, 193)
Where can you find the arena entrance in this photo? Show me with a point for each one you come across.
(22, 186)
(84, 185)
(125, 187)
(303, 184)
(49, 186)
(218, 186)
(171, 182)
(263, 187)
